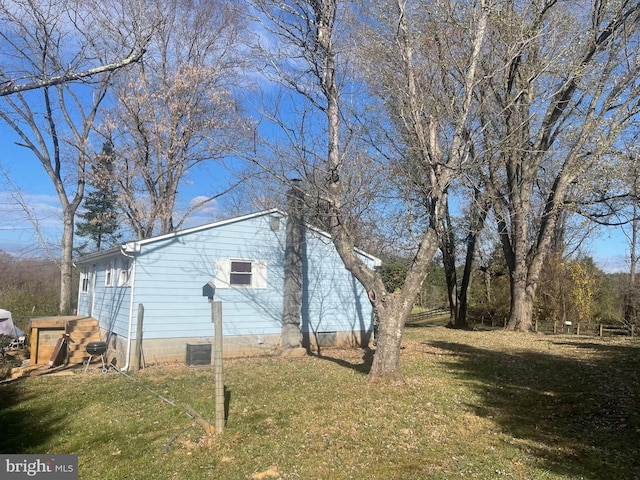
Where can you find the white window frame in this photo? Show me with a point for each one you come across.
(109, 273)
(85, 279)
(258, 273)
(124, 272)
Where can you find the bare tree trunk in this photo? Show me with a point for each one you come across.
(309, 28)
(387, 359)
(393, 310)
(633, 257)
(66, 262)
(448, 249)
(630, 297)
(462, 321)
(56, 127)
(522, 296)
(480, 210)
(293, 273)
(521, 315)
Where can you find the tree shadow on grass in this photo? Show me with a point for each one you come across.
(578, 416)
(22, 430)
(361, 367)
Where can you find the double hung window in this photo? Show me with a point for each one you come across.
(241, 273)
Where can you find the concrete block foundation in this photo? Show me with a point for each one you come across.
(174, 350)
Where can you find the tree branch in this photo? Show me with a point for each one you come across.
(11, 87)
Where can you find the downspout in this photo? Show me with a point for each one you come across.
(132, 283)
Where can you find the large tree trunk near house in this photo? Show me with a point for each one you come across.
(310, 30)
(66, 262)
(386, 361)
(292, 289)
(392, 310)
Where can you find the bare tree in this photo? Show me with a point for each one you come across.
(428, 86)
(48, 41)
(565, 85)
(176, 111)
(10, 86)
(14, 79)
(314, 40)
(628, 217)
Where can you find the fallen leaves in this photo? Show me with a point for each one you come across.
(271, 472)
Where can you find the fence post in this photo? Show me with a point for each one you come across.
(216, 313)
(137, 350)
(209, 291)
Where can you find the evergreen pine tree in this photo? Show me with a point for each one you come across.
(100, 217)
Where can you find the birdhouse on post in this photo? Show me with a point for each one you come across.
(209, 290)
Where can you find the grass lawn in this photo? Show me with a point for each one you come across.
(484, 404)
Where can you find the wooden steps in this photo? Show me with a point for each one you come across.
(46, 332)
(81, 331)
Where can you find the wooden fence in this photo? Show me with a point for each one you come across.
(427, 315)
(599, 330)
(556, 328)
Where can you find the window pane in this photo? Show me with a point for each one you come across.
(240, 279)
(241, 267)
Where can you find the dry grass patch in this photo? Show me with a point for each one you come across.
(472, 405)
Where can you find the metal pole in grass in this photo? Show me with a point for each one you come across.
(216, 317)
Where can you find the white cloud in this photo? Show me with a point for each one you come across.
(21, 216)
(202, 215)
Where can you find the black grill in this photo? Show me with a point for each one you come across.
(96, 348)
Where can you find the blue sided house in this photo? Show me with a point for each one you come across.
(160, 280)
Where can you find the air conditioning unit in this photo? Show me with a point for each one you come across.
(198, 354)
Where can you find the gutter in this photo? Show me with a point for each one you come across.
(132, 247)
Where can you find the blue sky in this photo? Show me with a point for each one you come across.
(21, 174)
(608, 246)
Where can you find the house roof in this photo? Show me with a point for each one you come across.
(135, 246)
